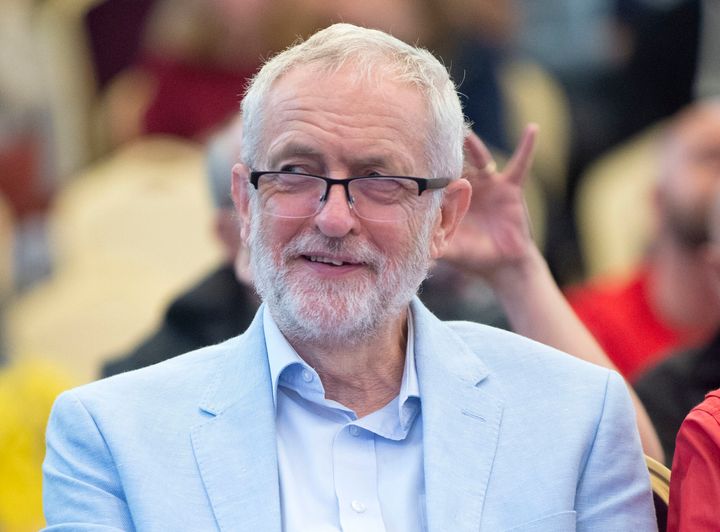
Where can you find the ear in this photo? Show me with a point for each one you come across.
(240, 184)
(456, 200)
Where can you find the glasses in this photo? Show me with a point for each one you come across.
(376, 198)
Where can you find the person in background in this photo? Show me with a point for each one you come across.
(673, 387)
(666, 303)
(346, 402)
(695, 480)
(193, 62)
(223, 303)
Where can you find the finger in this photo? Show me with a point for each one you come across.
(476, 152)
(519, 165)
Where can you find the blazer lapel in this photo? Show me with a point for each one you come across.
(235, 448)
(461, 424)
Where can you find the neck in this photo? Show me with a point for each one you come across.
(363, 376)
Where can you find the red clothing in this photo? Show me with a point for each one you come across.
(192, 99)
(618, 314)
(695, 479)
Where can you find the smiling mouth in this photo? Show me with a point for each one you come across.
(329, 260)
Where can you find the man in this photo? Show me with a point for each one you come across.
(468, 284)
(670, 389)
(346, 404)
(695, 482)
(666, 303)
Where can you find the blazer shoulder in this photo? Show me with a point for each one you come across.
(501, 349)
(181, 375)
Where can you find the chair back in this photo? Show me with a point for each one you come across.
(614, 205)
(128, 234)
(532, 94)
(660, 484)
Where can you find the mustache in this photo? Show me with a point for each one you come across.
(354, 248)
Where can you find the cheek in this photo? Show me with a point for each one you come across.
(276, 233)
(398, 241)
(279, 231)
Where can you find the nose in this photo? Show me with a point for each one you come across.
(335, 218)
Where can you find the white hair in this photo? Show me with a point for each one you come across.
(374, 55)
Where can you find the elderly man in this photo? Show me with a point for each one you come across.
(347, 405)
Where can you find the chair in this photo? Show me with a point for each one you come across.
(660, 484)
(128, 234)
(533, 95)
(614, 205)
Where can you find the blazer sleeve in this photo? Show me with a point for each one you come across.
(614, 489)
(81, 487)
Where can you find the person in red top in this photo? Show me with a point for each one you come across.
(667, 302)
(624, 322)
(695, 481)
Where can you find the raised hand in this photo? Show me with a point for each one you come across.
(496, 229)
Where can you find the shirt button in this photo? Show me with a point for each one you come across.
(358, 506)
(354, 430)
(307, 375)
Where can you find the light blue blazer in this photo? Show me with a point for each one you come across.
(516, 436)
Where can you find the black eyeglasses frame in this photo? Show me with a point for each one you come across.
(423, 183)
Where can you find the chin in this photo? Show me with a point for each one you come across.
(329, 314)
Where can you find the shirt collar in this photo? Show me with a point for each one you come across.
(281, 355)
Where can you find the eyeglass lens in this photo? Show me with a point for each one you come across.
(296, 196)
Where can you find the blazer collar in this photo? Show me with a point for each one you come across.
(461, 413)
(235, 447)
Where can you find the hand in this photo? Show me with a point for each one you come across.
(495, 232)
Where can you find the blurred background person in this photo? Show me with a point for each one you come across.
(193, 64)
(695, 482)
(667, 301)
(223, 303)
(672, 387)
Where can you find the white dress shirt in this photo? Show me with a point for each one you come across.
(338, 472)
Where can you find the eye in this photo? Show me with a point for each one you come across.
(293, 169)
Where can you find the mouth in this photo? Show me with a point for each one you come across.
(331, 261)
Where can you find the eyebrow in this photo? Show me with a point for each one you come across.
(299, 149)
(293, 149)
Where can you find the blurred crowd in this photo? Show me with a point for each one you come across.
(116, 230)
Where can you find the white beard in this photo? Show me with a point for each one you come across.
(347, 312)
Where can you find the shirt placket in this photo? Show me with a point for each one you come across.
(356, 482)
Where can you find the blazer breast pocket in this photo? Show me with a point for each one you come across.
(560, 522)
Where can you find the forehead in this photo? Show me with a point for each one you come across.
(344, 117)
(699, 129)
(691, 158)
